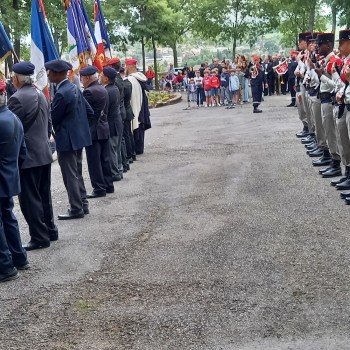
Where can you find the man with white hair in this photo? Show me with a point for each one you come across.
(32, 108)
(12, 154)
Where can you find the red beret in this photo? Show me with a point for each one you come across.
(112, 61)
(2, 86)
(294, 52)
(130, 62)
(256, 57)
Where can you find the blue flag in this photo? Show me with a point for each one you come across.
(5, 44)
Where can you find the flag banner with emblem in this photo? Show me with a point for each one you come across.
(282, 68)
(82, 48)
(42, 48)
(5, 43)
(101, 35)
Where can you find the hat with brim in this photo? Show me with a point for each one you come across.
(312, 37)
(24, 68)
(344, 35)
(58, 66)
(303, 36)
(325, 38)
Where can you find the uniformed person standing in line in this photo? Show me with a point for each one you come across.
(325, 43)
(257, 83)
(300, 88)
(13, 257)
(32, 108)
(107, 79)
(69, 112)
(98, 154)
(340, 111)
(292, 65)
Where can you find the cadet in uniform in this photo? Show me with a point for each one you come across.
(32, 108)
(258, 80)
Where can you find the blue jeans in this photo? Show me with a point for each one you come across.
(200, 96)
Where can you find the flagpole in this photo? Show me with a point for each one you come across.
(15, 55)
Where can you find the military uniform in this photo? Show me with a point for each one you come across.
(257, 82)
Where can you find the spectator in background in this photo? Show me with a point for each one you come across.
(200, 90)
(245, 71)
(150, 75)
(162, 83)
(179, 81)
(171, 68)
(191, 73)
(224, 86)
(170, 81)
(240, 76)
(201, 70)
(207, 88)
(233, 87)
(192, 92)
(215, 85)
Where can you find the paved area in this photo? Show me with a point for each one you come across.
(222, 237)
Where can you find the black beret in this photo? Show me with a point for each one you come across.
(344, 34)
(89, 70)
(324, 38)
(110, 72)
(303, 36)
(58, 66)
(24, 68)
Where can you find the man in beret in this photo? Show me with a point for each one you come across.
(292, 65)
(98, 154)
(124, 86)
(13, 257)
(139, 104)
(32, 108)
(69, 112)
(115, 121)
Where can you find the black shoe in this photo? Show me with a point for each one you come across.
(110, 189)
(321, 171)
(117, 178)
(345, 185)
(95, 194)
(343, 195)
(291, 105)
(86, 210)
(9, 277)
(302, 134)
(322, 161)
(339, 181)
(333, 172)
(347, 200)
(311, 146)
(307, 140)
(23, 267)
(134, 157)
(54, 238)
(130, 160)
(70, 215)
(125, 170)
(257, 110)
(34, 246)
(315, 153)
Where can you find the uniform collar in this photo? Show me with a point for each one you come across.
(328, 57)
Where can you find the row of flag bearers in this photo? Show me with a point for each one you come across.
(110, 128)
(323, 100)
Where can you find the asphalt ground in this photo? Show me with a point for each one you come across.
(222, 236)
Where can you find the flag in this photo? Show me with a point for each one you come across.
(81, 40)
(5, 44)
(282, 68)
(42, 48)
(101, 35)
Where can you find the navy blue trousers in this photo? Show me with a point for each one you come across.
(11, 251)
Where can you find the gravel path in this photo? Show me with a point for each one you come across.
(223, 236)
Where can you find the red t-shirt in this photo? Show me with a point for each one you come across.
(206, 83)
(150, 74)
(214, 81)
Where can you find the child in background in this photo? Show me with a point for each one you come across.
(240, 76)
(234, 88)
(162, 83)
(192, 92)
(207, 88)
(215, 85)
(200, 90)
(179, 80)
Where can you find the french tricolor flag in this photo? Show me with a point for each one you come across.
(101, 35)
(42, 48)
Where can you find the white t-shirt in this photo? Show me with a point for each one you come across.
(198, 81)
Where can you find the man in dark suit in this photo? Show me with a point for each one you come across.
(33, 110)
(70, 122)
(292, 65)
(13, 257)
(115, 122)
(98, 154)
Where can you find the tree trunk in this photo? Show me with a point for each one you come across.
(17, 39)
(155, 63)
(175, 54)
(312, 16)
(234, 45)
(143, 54)
(334, 18)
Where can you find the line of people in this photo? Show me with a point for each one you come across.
(323, 99)
(108, 118)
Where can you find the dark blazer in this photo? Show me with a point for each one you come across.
(36, 123)
(69, 112)
(97, 97)
(119, 82)
(12, 153)
(127, 99)
(115, 121)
